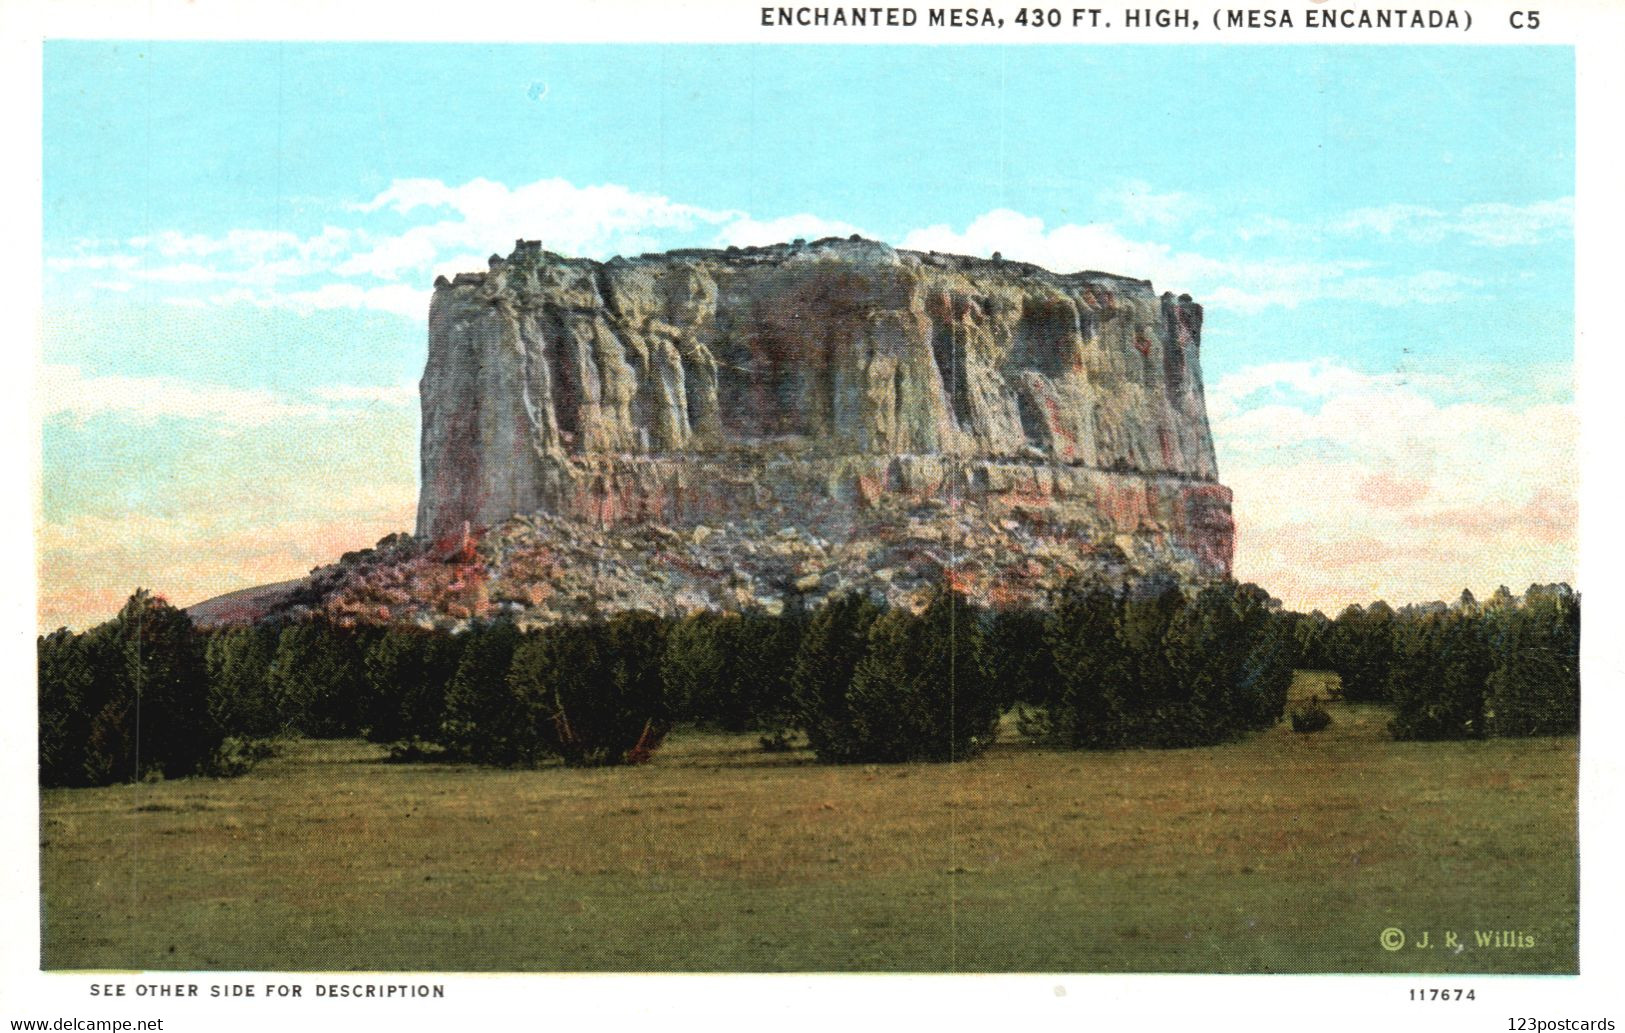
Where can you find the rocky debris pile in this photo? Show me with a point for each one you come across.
(543, 569)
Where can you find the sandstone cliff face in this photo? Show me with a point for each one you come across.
(804, 384)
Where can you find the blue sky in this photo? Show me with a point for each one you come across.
(240, 240)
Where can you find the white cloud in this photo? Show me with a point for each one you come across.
(1355, 486)
(458, 263)
(413, 249)
(452, 227)
(184, 272)
(1243, 284)
(1383, 221)
(378, 394)
(1505, 225)
(176, 263)
(245, 245)
(69, 263)
(411, 302)
(67, 391)
(1490, 224)
(1304, 381)
(593, 221)
(1250, 287)
(404, 196)
(744, 231)
(1067, 248)
(234, 296)
(398, 298)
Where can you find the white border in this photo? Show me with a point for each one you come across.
(1596, 29)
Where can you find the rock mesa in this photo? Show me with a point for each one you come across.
(807, 385)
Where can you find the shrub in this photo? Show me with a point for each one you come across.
(769, 645)
(919, 693)
(1309, 633)
(1018, 657)
(593, 692)
(240, 700)
(694, 665)
(484, 722)
(1359, 647)
(1090, 694)
(833, 643)
(1147, 616)
(733, 671)
(637, 697)
(1116, 686)
(1155, 669)
(408, 672)
(1231, 663)
(66, 687)
(126, 700)
(235, 756)
(1311, 716)
(1508, 666)
(1534, 686)
(1267, 672)
(1441, 667)
(317, 679)
(162, 657)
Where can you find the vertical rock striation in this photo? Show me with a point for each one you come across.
(807, 384)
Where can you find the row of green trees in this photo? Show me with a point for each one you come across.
(863, 683)
(147, 694)
(1508, 666)
(1099, 668)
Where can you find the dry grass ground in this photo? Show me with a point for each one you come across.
(1288, 853)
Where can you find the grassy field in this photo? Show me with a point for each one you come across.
(1282, 853)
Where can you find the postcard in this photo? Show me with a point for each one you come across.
(726, 499)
